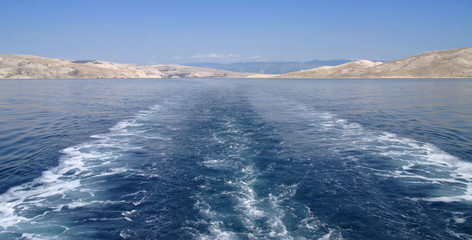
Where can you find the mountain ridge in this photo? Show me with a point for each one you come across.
(27, 66)
(452, 63)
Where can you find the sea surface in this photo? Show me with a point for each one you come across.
(236, 159)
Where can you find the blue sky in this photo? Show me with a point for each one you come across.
(163, 32)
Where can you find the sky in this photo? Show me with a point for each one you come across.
(224, 31)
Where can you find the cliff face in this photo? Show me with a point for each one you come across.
(455, 63)
(25, 66)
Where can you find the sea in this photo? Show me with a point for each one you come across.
(236, 159)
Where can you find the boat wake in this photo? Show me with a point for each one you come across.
(44, 208)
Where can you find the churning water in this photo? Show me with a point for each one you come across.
(236, 159)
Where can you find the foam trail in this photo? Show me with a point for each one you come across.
(259, 216)
(421, 171)
(74, 183)
(412, 161)
(425, 163)
(243, 176)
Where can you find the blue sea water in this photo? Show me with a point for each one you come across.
(236, 159)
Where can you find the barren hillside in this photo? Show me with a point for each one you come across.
(25, 66)
(455, 63)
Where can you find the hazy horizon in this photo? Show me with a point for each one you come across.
(177, 32)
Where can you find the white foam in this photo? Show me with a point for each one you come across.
(32, 236)
(426, 162)
(459, 217)
(122, 125)
(332, 235)
(382, 153)
(217, 232)
(34, 193)
(310, 222)
(80, 203)
(217, 164)
(216, 226)
(89, 161)
(419, 161)
(125, 235)
(248, 203)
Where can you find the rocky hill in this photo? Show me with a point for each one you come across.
(25, 66)
(455, 63)
(343, 70)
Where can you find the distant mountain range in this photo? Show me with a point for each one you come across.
(454, 63)
(269, 67)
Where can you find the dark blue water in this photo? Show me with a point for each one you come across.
(236, 159)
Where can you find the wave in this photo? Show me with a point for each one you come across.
(33, 209)
(413, 162)
(234, 201)
(402, 170)
(386, 154)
